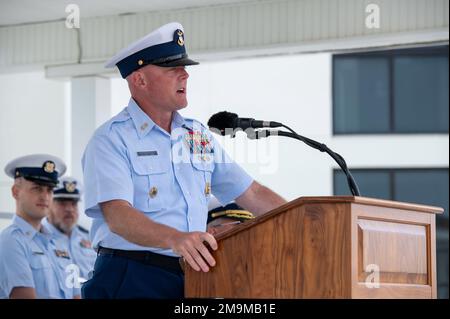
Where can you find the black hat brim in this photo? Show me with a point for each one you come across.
(64, 198)
(179, 62)
(41, 181)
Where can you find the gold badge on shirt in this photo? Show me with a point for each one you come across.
(85, 243)
(62, 254)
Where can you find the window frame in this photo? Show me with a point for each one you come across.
(391, 172)
(435, 51)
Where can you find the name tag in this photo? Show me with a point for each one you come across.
(147, 153)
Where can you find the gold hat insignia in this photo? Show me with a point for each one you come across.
(70, 186)
(49, 167)
(180, 40)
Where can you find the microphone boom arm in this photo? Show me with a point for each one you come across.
(314, 144)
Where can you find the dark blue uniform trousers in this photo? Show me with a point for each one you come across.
(118, 277)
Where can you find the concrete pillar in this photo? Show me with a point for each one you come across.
(91, 107)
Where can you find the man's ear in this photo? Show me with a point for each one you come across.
(15, 191)
(138, 79)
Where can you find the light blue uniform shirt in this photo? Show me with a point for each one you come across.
(160, 174)
(77, 245)
(28, 259)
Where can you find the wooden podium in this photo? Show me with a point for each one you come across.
(325, 247)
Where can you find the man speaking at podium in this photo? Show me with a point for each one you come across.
(150, 208)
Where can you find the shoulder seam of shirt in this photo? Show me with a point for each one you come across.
(17, 240)
(118, 118)
(12, 230)
(106, 128)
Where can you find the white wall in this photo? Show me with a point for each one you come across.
(32, 120)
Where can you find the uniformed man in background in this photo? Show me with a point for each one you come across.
(62, 223)
(30, 264)
(149, 173)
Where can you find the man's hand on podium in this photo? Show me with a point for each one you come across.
(221, 225)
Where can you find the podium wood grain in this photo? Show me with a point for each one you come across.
(325, 247)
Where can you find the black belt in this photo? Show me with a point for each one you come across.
(145, 257)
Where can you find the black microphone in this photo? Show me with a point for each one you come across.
(227, 123)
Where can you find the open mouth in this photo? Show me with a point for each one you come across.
(181, 90)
